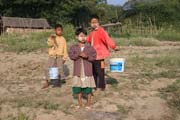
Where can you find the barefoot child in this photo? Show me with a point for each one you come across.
(82, 54)
(57, 52)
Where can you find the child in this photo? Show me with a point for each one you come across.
(57, 52)
(82, 54)
(101, 42)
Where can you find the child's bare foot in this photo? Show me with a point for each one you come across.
(96, 91)
(78, 106)
(88, 107)
(102, 89)
(46, 85)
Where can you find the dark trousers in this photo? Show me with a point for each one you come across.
(99, 73)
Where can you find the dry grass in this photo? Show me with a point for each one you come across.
(172, 94)
(149, 71)
(137, 41)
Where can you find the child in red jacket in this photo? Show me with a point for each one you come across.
(101, 42)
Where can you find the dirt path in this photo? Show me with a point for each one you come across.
(129, 96)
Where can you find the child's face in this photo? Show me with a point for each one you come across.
(94, 23)
(58, 31)
(81, 37)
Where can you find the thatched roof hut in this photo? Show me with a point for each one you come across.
(15, 24)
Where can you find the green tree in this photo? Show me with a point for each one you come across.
(163, 11)
(76, 12)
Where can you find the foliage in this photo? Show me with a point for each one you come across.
(76, 12)
(159, 11)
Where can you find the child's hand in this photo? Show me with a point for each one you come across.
(83, 55)
(116, 49)
(64, 61)
(53, 44)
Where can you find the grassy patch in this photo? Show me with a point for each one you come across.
(167, 74)
(168, 61)
(22, 116)
(122, 110)
(165, 33)
(27, 43)
(46, 105)
(162, 65)
(28, 102)
(33, 41)
(172, 94)
(134, 84)
(136, 41)
(69, 32)
(169, 35)
(170, 74)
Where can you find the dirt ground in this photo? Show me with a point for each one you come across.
(129, 95)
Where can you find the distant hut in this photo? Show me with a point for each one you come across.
(22, 25)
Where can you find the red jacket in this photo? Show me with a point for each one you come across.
(101, 42)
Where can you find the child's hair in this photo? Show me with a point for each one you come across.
(80, 30)
(58, 26)
(94, 16)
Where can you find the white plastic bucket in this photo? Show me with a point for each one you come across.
(54, 73)
(117, 64)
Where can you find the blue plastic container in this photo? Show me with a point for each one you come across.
(117, 64)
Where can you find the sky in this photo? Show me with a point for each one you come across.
(116, 2)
